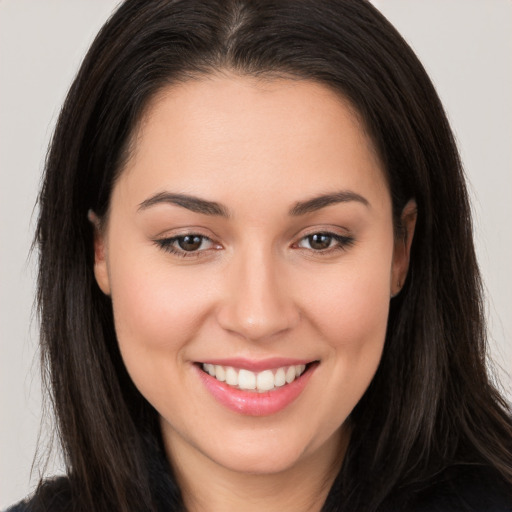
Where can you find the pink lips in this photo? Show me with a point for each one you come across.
(254, 403)
(258, 366)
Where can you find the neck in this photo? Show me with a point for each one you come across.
(209, 487)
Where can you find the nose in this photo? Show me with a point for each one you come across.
(257, 302)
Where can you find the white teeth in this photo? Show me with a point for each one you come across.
(265, 380)
(210, 369)
(261, 381)
(246, 379)
(290, 374)
(220, 373)
(280, 378)
(231, 376)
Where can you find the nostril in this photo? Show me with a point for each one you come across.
(264, 324)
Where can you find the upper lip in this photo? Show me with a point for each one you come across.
(257, 365)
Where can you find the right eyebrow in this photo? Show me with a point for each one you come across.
(192, 203)
(324, 200)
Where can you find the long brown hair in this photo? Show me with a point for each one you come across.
(430, 405)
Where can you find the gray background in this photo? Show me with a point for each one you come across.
(466, 46)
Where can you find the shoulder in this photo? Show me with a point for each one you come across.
(466, 489)
(51, 496)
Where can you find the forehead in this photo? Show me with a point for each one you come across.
(211, 134)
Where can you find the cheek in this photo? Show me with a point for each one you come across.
(351, 315)
(351, 319)
(157, 312)
(352, 308)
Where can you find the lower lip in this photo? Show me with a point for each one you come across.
(255, 403)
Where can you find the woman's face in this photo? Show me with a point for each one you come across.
(250, 236)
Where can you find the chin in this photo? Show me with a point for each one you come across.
(260, 462)
(271, 451)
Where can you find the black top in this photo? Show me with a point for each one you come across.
(466, 489)
(459, 489)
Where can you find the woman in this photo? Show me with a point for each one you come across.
(257, 279)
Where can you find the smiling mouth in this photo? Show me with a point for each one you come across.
(258, 382)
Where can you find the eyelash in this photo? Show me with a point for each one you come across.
(343, 243)
(168, 245)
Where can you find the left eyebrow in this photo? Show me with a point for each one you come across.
(191, 203)
(319, 202)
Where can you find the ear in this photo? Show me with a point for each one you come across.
(100, 254)
(402, 248)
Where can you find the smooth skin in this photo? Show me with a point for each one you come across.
(253, 282)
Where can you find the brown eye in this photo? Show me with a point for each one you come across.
(319, 241)
(192, 245)
(325, 242)
(190, 242)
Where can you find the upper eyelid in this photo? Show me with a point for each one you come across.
(184, 231)
(298, 236)
(171, 239)
(341, 239)
(166, 243)
(328, 230)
